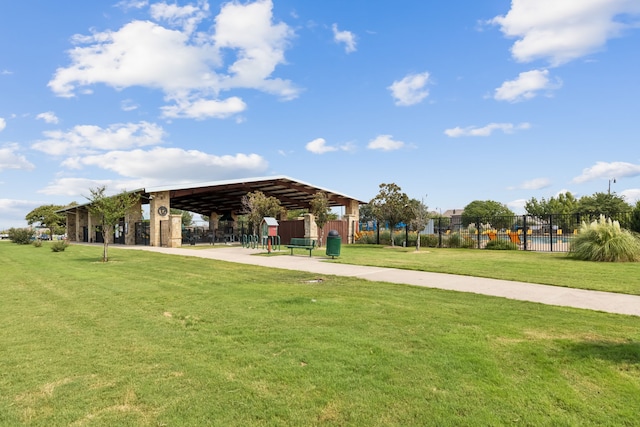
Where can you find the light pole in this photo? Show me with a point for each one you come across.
(614, 181)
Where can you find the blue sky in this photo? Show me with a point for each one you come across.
(453, 101)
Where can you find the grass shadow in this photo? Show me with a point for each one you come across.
(617, 352)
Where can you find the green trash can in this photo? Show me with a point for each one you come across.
(333, 244)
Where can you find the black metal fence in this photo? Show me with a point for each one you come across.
(552, 233)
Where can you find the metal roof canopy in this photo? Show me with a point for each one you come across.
(226, 196)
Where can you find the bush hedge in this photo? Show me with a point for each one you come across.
(21, 236)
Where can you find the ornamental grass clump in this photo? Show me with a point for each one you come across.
(604, 240)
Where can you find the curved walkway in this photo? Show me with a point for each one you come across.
(552, 295)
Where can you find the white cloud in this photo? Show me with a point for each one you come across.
(3, 124)
(486, 130)
(411, 89)
(517, 205)
(561, 31)
(631, 195)
(319, 146)
(172, 165)
(13, 212)
(188, 17)
(204, 109)
(128, 105)
(188, 66)
(74, 187)
(346, 37)
(11, 159)
(86, 139)
(536, 184)
(526, 86)
(132, 4)
(48, 117)
(385, 143)
(608, 171)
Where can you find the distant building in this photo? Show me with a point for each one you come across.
(455, 218)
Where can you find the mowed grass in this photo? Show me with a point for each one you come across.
(158, 340)
(547, 268)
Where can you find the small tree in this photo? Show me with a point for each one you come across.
(257, 206)
(320, 210)
(296, 213)
(496, 213)
(47, 217)
(609, 204)
(109, 211)
(390, 205)
(420, 218)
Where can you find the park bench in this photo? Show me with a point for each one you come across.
(301, 243)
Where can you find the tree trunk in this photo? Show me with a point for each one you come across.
(106, 231)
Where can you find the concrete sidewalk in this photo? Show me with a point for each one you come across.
(552, 295)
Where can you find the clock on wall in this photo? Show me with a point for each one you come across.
(162, 210)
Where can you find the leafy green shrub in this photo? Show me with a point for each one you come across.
(605, 240)
(454, 241)
(429, 240)
(21, 236)
(37, 243)
(384, 237)
(399, 239)
(59, 246)
(468, 242)
(501, 245)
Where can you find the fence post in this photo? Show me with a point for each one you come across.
(551, 232)
(406, 236)
(524, 231)
(440, 231)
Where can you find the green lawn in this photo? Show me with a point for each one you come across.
(535, 267)
(157, 340)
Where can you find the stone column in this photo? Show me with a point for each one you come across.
(82, 221)
(310, 227)
(352, 216)
(134, 215)
(213, 225)
(159, 207)
(175, 241)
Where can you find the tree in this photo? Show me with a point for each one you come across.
(257, 206)
(562, 206)
(495, 213)
(420, 218)
(390, 205)
(634, 223)
(366, 213)
(564, 203)
(320, 210)
(47, 217)
(109, 211)
(296, 213)
(606, 204)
